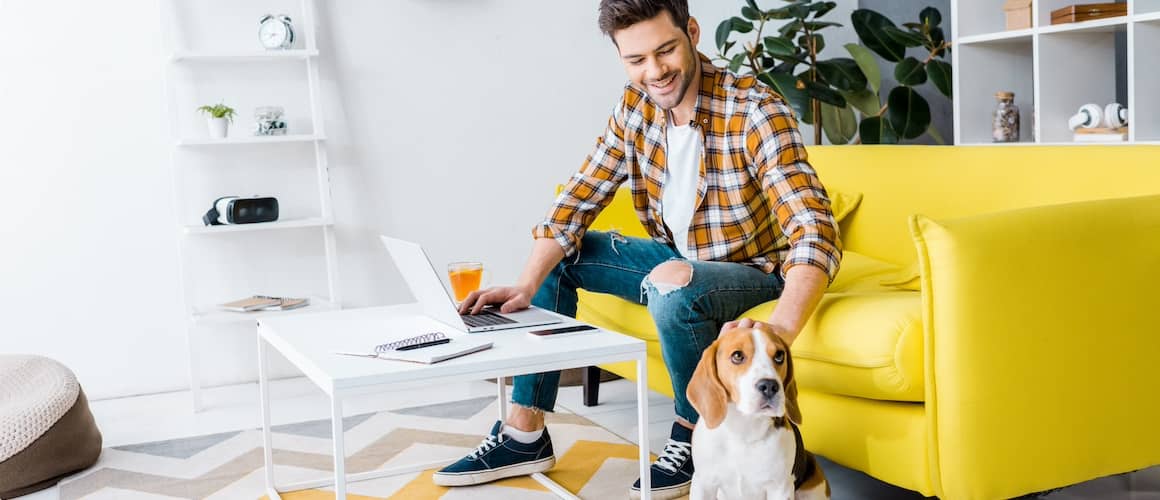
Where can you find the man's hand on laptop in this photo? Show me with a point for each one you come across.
(510, 298)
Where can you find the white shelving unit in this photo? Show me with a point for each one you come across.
(1053, 70)
(195, 154)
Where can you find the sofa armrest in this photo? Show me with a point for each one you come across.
(1042, 344)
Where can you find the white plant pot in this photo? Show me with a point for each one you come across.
(218, 127)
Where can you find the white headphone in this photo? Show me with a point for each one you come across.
(1114, 115)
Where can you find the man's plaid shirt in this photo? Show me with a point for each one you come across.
(759, 202)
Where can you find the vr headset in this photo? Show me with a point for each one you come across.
(237, 210)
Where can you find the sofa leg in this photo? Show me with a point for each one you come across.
(591, 380)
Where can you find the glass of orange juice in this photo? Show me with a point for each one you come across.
(465, 277)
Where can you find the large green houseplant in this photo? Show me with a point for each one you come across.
(826, 93)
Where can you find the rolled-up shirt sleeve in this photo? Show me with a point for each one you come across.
(590, 189)
(799, 200)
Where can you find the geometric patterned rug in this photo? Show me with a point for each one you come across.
(591, 462)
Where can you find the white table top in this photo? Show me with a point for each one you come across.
(310, 340)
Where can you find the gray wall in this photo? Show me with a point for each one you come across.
(941, 108)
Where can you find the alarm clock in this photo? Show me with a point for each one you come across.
(276, 32)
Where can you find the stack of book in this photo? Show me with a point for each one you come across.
(265, 303)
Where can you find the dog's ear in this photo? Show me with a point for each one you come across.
(791, 394)
(705, 391)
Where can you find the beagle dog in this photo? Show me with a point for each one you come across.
(747, 444)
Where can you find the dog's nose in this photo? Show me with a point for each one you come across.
(767, 387)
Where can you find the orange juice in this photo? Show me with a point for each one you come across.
(464, 278)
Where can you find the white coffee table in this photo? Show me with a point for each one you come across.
(308, 341)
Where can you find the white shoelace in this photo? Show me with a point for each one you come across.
(489, 443)
(674, 455)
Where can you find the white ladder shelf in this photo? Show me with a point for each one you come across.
(202, 316)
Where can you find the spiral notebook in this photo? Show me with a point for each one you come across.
(412, 349)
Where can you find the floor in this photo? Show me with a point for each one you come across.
(169, 416)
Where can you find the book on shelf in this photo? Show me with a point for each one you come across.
(265, 303)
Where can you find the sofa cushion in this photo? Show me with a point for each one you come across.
(867, 345)
(865, 339)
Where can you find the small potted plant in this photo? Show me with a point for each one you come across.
(219, 117)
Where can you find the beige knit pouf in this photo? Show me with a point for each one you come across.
(46, 429)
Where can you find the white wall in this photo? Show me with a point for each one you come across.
(450, 121)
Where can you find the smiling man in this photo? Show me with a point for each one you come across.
(735, 214)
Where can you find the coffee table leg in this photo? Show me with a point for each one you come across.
(642, 426)
(339, 454)
(267, 444)
(502, 398)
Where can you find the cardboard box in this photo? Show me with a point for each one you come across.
(1087, 12)
(1018, 14)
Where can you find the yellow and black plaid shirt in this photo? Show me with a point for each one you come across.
(759, 202)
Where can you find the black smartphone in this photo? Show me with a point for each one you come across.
(552, 332)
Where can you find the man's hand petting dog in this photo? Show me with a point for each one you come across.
(511, 298)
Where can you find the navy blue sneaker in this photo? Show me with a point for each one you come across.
(672, 473)
(498, 457)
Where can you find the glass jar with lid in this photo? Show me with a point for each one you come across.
(1005, 126)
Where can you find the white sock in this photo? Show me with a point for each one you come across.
(522, 436)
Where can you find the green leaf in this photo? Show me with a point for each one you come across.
(822, 8)
(905, 37)
(913, 26)
(937, 38)
(839, 124)
(752, 4)
(751, 13)
(930, 16)
(908, 113)
(730, 25)
(790, 28)
(870, 27)
(842, 73)
(728, 45)
(867, 63)
(875, 130)
(775, 46)
(799, 11)
(723, 31)
(778, 13)
(786, 85)
(741, 25)
(910, 72)
(864, 101)
(817, 25)
(824, 93)
(736, 62)
(940, 76)
(819, 43)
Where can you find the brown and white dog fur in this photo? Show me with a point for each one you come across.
(744, 445)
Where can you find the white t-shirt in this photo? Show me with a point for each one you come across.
(682, 172)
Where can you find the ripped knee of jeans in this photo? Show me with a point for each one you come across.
(670, 276)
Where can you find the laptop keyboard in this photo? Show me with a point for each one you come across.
(485, 318)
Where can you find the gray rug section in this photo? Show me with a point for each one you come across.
(178, 448)
(320, 428)
(461, 410)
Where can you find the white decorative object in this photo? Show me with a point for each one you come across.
(276, 32)
(268, 121)
(218, 127)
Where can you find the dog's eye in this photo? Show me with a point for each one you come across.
(779, 357)
(737, 357)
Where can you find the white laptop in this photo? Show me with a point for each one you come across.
(425, 285)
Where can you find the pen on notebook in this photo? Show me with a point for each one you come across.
(424, 344)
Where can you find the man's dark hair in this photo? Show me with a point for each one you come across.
(619, 14)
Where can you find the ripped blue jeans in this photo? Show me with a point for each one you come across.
(688, 316)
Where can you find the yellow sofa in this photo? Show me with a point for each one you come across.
(1017, 347)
